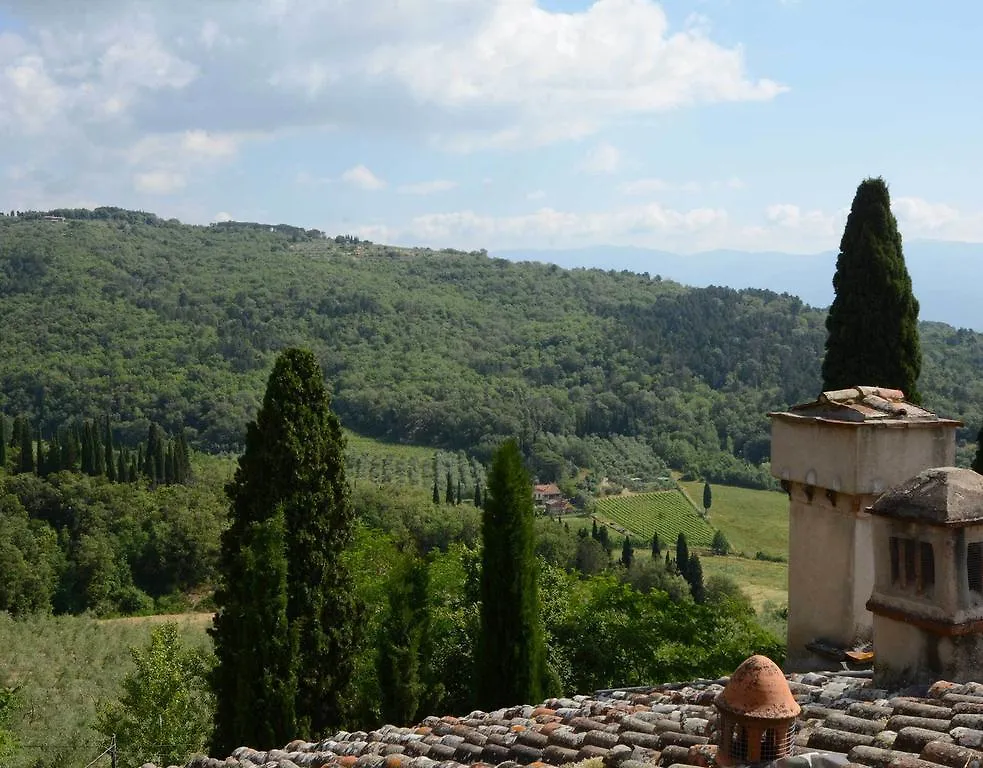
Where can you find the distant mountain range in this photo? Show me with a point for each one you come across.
(946, 276)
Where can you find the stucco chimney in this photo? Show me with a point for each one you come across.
(835, 456)
(927, 599)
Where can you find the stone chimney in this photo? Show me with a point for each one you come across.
(756, 714)
(927, 598)
(835, 456)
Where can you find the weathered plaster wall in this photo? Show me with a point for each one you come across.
(906, 655)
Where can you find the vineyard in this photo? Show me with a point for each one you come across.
(665, 512)
(414, 465)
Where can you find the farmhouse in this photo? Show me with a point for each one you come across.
(544, 493)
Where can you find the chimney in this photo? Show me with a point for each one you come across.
(927, 598)
(834, 457)
(756, 714)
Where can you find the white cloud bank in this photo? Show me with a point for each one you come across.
(89, 89)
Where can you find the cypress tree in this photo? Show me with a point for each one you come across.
(169, 465)
(107, 445)
(668, 561)
(98, 457)
(134, 474)
(707, 496)
(604, 538)
(694, 575)
(457, 499)
(511, 657)
(306, 632)
(158, 457)
(477, 495)
(87, 459)
(656, 545)
(436, 492)
(402, 642)
(682, 554)
(627, 553)
(593, 529)
(122, 476)
(52, 461)
(449, 490)
(26, 448)
(873, 321)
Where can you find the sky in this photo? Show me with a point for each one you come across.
(683, 125)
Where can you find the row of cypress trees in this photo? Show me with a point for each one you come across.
(87, 446)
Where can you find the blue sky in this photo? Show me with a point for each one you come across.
(684, 125)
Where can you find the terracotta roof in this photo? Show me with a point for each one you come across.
(841, 713)
(548, 488)
(941, 495)
(862, 404)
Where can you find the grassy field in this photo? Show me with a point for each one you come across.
(761, 581)
(667, 512)
(64, 665)
(752, 520)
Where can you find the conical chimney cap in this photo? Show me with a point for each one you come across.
(758, 690)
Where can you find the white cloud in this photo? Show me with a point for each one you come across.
(547, 225)
(602, 158)
(428, 187)
(922, 214)
(363, 178)
(159, 182)
(222, 216)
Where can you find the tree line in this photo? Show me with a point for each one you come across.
(87, 446)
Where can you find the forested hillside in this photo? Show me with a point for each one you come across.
(148, 320)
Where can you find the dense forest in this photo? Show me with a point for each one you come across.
(118, 312)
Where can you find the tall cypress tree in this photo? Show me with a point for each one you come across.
(682, 554)
(26, 448)
(402, 640)
(694, 575)
(109, 459)
(873, 321)
(436, 491)
(477, 495)
(656, 545)
(449, 490)
(627, 553)
(511, 658)
(306, 631)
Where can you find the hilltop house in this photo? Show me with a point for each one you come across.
(544, 493)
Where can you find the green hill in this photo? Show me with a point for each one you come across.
(121, 312)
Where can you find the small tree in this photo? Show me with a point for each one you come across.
(164, 713)
(477, 495)
(8, 701)
(707, 496)
(627, 553)
(720, 545)
(656, 546)
(436, 491)
(449, 490)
